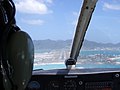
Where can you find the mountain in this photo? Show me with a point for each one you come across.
(92, 44)
(59, 44)
(51, 44)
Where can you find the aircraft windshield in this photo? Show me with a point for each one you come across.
(52, 23)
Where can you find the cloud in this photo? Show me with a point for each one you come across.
(33, 21)
(111, 6)
(33, 6)
(75, 13)
(49, 1)
(75, 21)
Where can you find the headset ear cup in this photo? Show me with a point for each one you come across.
(20, 50)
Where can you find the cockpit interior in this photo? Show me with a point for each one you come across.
(17, 58)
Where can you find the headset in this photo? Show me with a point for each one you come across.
(16, 50)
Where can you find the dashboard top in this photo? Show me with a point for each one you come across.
(75, 71)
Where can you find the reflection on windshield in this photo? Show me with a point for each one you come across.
(52, 56)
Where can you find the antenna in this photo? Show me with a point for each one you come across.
(81, 28)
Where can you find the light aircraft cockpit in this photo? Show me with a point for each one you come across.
(52, 45)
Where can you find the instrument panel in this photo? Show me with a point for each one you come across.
(75, 79)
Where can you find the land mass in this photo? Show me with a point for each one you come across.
(50, 51)
(62, 44)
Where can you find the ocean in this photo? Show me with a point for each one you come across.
(62, 66)
(104, 52)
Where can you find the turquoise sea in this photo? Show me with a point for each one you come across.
(61, 66)
(104, 52)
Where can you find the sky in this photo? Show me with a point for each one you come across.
(56, 19)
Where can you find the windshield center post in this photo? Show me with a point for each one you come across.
(81, 28)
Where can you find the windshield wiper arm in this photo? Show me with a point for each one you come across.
(82, 25)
